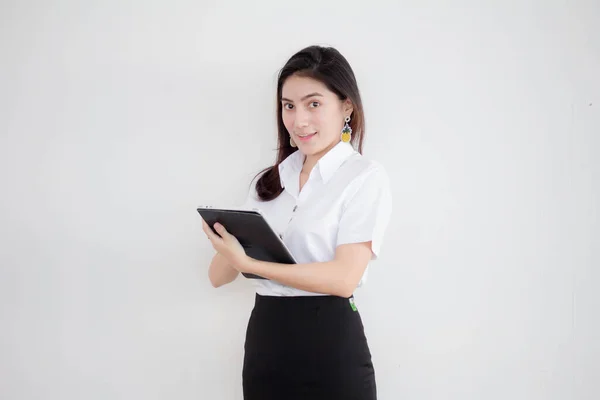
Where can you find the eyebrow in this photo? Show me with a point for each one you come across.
(315, 94)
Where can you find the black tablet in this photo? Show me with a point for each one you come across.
(255, 234)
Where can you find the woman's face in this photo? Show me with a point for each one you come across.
(312, 114)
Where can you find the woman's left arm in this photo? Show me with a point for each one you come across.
(338, 277)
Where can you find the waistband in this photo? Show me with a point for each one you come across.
(301, 300)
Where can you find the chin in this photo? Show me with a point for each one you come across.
(316, 146)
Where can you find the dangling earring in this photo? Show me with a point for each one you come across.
(346, 131)
(292, 143)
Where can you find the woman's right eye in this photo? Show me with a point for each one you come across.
(288, 106)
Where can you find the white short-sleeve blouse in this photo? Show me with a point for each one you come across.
(346, 199)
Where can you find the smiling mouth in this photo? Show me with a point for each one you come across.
(306, 137)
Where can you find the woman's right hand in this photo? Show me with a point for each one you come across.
(220, 272)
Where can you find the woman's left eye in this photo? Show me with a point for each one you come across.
(314, 104)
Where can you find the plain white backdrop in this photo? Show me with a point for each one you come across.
(118, 118)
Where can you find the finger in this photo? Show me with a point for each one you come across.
(221, 230)
(215, 238)
(209, 233)
(206, 229)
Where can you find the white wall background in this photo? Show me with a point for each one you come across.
(118, 118)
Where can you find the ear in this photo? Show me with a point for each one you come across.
(347, 107)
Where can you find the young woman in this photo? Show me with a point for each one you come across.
(331, 206)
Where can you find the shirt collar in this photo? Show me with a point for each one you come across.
(289, 169)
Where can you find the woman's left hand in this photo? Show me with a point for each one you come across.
(227, 245)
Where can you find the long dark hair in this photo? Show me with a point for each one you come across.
(328, 66)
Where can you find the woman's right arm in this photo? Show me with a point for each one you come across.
(220, 272)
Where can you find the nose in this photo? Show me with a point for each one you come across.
(301, 119)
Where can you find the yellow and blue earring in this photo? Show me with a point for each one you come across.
(346, 131)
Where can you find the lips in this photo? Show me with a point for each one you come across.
(306, 137)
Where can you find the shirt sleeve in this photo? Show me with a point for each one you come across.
(367, 212)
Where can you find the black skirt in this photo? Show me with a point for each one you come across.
(311, 347)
